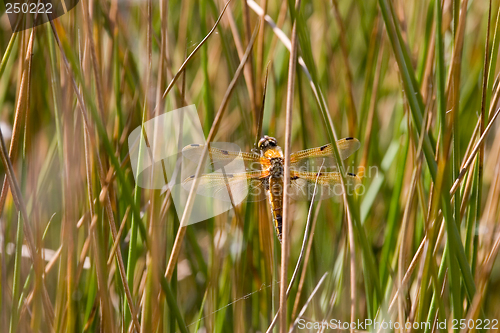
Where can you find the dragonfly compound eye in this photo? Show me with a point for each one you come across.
(267, 141)
(262, 143)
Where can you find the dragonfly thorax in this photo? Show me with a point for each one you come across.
(276, 170)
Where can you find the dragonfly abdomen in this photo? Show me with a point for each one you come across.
(276, 201)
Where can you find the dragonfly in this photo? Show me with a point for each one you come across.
(311, 174)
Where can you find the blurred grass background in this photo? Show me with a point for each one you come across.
(83, 249)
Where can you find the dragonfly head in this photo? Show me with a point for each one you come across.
(267, 142)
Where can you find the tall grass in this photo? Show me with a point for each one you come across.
(85, 249)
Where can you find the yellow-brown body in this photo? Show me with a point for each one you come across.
(272, 161)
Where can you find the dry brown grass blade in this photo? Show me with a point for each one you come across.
(118, 236)
(260, 116)
(426, 87)
(403, 243)
(352, 263)
(371, 110)
(213, 130)
(352, 114)
(456, 56)
(259, 89)
(93, 56)
(286, 183)
(282, 16)
(407, 275)
(488, 221)
(53, 261)
(248, 71)
(249, 65)
(306, 261)
(307, 302)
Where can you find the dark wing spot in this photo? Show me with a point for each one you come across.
(191, 176)
(294, 177)
(323, 147)
(225, 152)
(351, 174)
(318, 174)
(195, 145)
(349, 138)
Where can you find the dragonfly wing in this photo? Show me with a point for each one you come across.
(306, 185)
(239, 186)
(219, 157)
(324, 155)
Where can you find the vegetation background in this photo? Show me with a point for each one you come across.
(83, 249)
